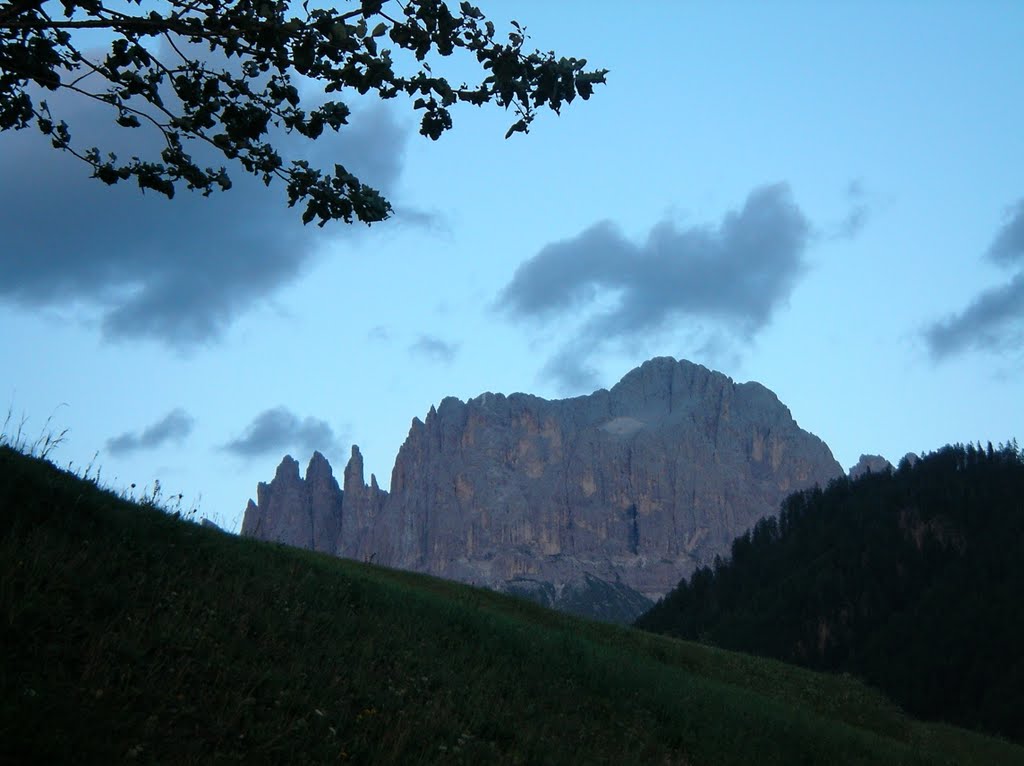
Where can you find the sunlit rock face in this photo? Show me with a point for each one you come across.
(595, 504)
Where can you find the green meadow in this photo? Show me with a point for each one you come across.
(131, 635)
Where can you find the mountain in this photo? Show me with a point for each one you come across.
(596, 504)
(869, 464)
(910, 579)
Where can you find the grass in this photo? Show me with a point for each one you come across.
(132, 635)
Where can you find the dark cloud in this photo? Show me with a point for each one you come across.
(1008, 245)
(732, 276)
(173, 427)
(178, 270)
(994, 320)
(277, 430)
(570, 369)
(435, 348)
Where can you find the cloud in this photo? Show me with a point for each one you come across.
(181, 270)
(1008, 245)
(857, 217)
(570, 369)
(994, 320)
(435, 348)
(731, 277)
(277, 430)
(173, 427)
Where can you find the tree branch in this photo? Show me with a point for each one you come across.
(234, 113)
(17, 8)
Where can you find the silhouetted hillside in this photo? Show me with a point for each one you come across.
(130, 636)
(912, 579)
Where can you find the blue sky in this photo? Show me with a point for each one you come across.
(825, 198)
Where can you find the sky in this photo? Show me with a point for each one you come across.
(826, 198)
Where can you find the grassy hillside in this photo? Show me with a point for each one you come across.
(910, 579)
(129, 635)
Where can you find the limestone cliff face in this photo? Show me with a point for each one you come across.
(304, 513)
(365, 535)
(632, 487)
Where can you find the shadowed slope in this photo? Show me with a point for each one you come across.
(129, 634)
(910, 579)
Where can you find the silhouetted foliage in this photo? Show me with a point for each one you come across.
(912, 579)
(226, 73)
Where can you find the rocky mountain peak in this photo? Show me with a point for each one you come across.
(632, 487)
(869, 464)
(319, 470)
(354, 469)
(661, 384)
(288, 469)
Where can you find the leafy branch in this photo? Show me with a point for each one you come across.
(150, 76)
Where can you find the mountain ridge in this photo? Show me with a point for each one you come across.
(632, 486)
